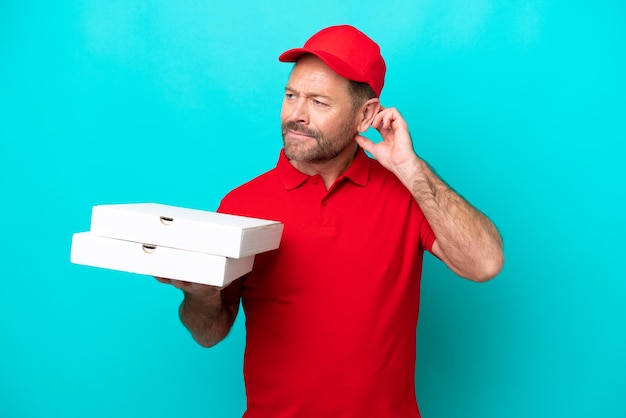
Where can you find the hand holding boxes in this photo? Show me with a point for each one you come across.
(174, 242)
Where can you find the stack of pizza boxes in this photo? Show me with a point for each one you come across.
(173, 242)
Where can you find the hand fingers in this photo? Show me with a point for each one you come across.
(179, 284)
(388, 119)
(197, 289)
(383, 118)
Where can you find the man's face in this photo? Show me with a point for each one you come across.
(318, 120)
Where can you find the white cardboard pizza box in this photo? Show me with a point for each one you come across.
(143, 258)
(187, 229)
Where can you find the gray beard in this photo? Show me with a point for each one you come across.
(328, 147)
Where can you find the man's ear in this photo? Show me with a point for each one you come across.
(367, 113)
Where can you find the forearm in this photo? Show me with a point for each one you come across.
(467, 240)
(208, 319)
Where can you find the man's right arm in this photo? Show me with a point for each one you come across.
(208, 312)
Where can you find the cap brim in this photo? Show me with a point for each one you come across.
(337, 65)
(292, 55)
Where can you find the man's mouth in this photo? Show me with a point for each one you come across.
(296, 131)
(300, 134)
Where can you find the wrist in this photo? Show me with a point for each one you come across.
(408, 172)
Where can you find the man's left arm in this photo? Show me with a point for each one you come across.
(466, 240)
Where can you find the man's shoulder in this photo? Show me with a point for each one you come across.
(379, 176)
(257, 184)
(240, 198)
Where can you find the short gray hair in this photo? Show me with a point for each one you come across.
(360, 93)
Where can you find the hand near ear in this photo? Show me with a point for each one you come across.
(395, 151)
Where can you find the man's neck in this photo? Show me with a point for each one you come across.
(328, 170)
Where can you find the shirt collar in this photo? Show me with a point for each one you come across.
(358, 172)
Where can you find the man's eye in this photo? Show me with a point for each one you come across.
(289, 96)
(318, 103)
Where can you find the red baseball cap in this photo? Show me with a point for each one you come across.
(348, 52)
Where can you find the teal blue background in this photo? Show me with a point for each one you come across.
(519, 105)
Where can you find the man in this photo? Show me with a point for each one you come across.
(331, 315)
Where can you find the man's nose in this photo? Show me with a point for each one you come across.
(298, 111)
